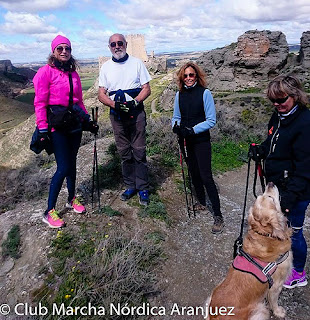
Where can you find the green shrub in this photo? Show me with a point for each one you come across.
(10, 247)
(156, 209)
(228, 154)
(110, 212)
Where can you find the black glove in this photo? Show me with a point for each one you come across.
(91, 126)
(132, 104)
(186, 131)
(43, 139)
(176, 129)
(256, 152)
(121, 107)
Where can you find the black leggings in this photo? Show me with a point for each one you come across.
(199, 161)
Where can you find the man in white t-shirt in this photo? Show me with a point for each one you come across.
(123, 86)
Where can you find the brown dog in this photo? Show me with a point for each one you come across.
(241, 295)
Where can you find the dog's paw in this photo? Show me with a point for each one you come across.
(279, 312)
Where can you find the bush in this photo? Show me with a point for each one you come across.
(100, 267)
(10, 247)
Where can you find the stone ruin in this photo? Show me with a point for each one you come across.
(255, 59)
(136, 46)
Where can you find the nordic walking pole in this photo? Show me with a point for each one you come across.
(97, 171)
(189, 179)
(94, 166)
(184, 181)
(95, 163)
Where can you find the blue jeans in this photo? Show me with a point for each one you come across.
(66, 147)
(296, 219)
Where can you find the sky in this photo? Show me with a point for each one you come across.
(27, 27)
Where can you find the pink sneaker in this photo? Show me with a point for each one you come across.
(76, 205)
(53, 220)
(295, 280)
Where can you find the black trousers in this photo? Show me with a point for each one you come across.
(199, 163)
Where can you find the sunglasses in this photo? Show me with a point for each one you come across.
(279, 100)
(190, 75)
(119, 43)
(60, 49)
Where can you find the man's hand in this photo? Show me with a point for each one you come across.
(121, 107)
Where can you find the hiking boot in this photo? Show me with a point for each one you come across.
(218, 225)
(76, 205)
(199, 207)
(127, 194)
(295, 280)
(52, 219)
(144, 198)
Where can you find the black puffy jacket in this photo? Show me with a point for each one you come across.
(287, 156)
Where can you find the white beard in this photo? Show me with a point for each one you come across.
(119, 55)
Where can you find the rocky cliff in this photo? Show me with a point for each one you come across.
(13, 79)
(256, 58)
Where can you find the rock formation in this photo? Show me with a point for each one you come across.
(257, 56)
(12, 79)
(304, 52)
(156, 64)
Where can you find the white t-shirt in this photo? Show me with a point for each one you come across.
(130, 74)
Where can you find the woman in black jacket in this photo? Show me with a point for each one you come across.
(194, 114)
(287, 162)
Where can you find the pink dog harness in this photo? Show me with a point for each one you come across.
(259, 269)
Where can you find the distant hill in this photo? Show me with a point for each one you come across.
(12, 113)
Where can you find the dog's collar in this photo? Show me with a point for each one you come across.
(267, 235)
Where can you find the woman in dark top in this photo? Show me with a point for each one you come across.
(193, 116)
(286, 154)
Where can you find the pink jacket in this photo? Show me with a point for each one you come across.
(52, 87)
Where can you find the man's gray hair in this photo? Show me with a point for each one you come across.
(117, 34)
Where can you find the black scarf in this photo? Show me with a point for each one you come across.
(126, 56)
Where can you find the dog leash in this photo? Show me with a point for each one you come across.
(239, 241)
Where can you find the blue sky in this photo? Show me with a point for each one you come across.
(28, 26)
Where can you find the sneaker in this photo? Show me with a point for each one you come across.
(52, 219)
(295, 280)
(76, 205)
(127, 194)
(218, 225)
(144, 198)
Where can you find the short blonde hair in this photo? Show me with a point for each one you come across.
(287, 85)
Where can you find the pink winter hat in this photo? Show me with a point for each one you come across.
(58, 40)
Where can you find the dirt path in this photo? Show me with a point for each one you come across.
(198, 260)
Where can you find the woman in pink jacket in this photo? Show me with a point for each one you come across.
(52, 88)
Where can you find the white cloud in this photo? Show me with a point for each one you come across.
(175, 25)
(26, 23)
(265, 10)
(4, 50)
(33, 5)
